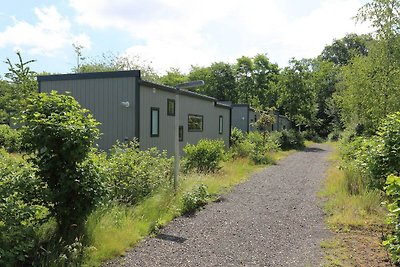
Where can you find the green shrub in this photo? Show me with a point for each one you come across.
(135, 174)
(194, 200)
(204, 157)
(22, 210)
(237, 137)
(291, 139)
(60, 134)
(261, 145)
(392, 242)
(10, 139)
(334, 136)
(379, 156)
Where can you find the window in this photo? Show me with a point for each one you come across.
(170, 107)
(272, 127)
(180, 133)
(221, 125)
(195, 123)
(154, 122)
(255, 117)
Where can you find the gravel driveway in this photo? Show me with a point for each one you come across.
(271, 220)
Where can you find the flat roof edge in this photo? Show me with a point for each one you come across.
(89, 75)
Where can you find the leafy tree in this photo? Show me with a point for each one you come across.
(112, 62)
(222, 81)
(341, 51)
(296, 95)
(173, 77)
(60, 134)
(265, 76)
(244, 79)
(20, 83)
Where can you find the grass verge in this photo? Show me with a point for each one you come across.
(113, 229)
(356, 217)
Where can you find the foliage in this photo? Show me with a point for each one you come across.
(20, 83)
(112, 62)
(291, 139)
(341, 51)
(260, 148)
(237, 136)
(10, 139)
(204, 157)
(22, 210)
(297, 99)
(379, 156)
(392, 242)
(173, 77)
(194, 200)
(134, 174)
(60, 134)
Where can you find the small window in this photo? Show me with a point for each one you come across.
(170, 107)
(272, 127)
(221, 125)
(180, 133)
(255, 117)
(154, 122)
(195, 123)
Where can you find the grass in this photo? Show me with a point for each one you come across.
(348, 203)
(350, 207)
(113, 229)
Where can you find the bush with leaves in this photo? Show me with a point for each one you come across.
(291, 139)
(379, 155)
(10, 139)
(135, 174)
(392, 242)
(260, 148)
(22, 210)
(194, 200)
(204, 157)
(60, 134)
(237, 137)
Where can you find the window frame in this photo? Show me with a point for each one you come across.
(152, 109)
(180, 133)
(170, 101)
(202, 123)
(221, 124)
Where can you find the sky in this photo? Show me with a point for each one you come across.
(171, 33)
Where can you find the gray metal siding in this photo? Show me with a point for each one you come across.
(240, 117)
(151, 97)
(103, 97)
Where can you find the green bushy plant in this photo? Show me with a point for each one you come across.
(392, 242)
(204, 157)
(195, 199)
(261, 145)
(379, 155)
(291, 139)
(60, 134)
(237, 137)
(10, 139)
(135, 174)
(22, 210)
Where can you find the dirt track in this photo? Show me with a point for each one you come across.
(271, 220)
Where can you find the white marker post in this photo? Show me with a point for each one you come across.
(178, 87)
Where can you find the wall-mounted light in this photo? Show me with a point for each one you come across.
(154, 90)
(125, 104)
(242, 118)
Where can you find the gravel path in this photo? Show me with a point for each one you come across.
(271, 220)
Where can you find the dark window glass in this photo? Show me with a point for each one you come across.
(221, 125)
(195, 123)
(154, 122)
(170, 107)
(180, 133)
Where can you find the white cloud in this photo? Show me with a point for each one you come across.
(48, 36)
(179, 33)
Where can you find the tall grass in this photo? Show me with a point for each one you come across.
(113, 229)
(349, 202)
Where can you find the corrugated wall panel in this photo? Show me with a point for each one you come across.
(103, 98)
(150, 97)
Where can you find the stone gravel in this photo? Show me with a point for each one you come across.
(273, 219)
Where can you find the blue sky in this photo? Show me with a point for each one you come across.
(171, 33)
